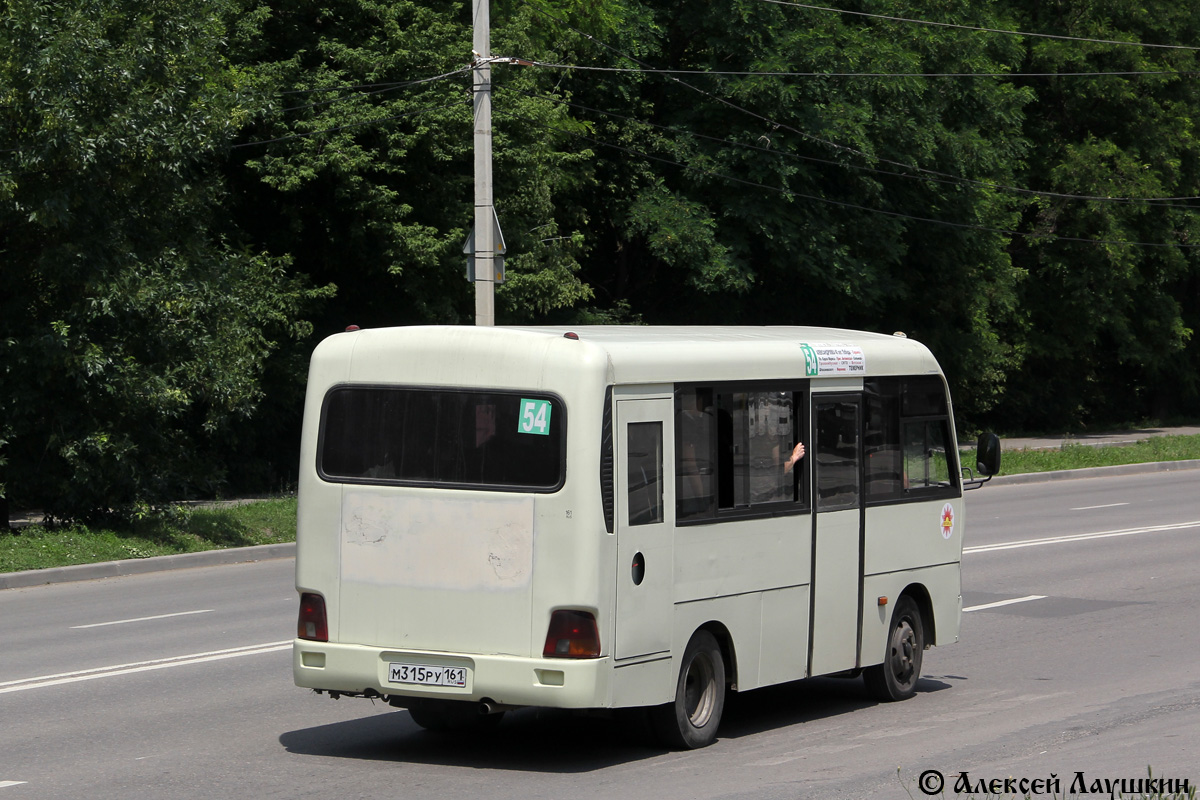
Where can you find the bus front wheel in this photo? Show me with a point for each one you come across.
(896, 678)
(691, 721)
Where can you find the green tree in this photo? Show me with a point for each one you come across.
(362, 173)
(134, 329)
(818, 199)
(1107, 328)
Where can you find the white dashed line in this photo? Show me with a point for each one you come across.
(1079, 537)
(999, 603)
(44, 681)
(141, 619)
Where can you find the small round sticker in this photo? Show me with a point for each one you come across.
(947, 521)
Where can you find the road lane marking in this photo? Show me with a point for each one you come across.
(6, 784)
(999, 603)
(1079, 537)
(1092, 508)
(44, 681)
(141, 619)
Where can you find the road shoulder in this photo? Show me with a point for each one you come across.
(137, 566)
(240, 555)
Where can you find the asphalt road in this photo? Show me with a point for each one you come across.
(1081, 654)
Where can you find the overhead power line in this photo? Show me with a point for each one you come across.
(733, 105)
(840, 203)
(835, 145)
(1160, 202)
(811, 137)
(381, 86)
(753, 73)
(977, 28)
(355, 91)
(359, 124)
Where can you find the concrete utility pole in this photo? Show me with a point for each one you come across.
(485, 240)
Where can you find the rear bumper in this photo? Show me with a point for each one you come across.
(506, 680)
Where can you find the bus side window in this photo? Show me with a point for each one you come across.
(837, 450)
(929, 457)
(645, 473)
(757, 432)
(695, 433)
(770, 442)
(884, 461)
(908, 447)
(881, 438)
(734, 448)
(926, 458)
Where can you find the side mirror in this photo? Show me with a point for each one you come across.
(987, 458)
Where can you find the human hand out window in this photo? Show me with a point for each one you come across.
(794, 459)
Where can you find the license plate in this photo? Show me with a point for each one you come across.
(426, 675)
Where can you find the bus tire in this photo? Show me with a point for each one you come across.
(896, 678)
(691, 721)
(451, 715)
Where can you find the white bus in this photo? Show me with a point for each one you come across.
(616, 517)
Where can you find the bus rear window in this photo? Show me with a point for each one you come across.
(505, 441)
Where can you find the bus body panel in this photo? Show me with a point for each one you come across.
(318, 547)
(429, 575)
(428, 571)
(783, 648)
(692, 354)
(904, 536)
(741, 557)
(768, 632)
(507, 680)
(835, 592)
(944, 587)
(738, 616)
(914, 540)
(453, 570)
(643, 682)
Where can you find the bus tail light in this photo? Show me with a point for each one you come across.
(313, 623)
(572, 634)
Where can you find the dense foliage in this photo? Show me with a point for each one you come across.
(190, 191)
(135, 328)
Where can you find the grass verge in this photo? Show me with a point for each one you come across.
(186, 530)
(273, 521)
(1082, 456)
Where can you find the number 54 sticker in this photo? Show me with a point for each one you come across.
(535, 417)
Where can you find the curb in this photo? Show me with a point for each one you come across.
(138, 566)
(1094, 472)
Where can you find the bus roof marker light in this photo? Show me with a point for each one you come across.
(571, 335)
(351, 328)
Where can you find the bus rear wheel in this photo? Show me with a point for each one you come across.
(896, 678)
(691, 721)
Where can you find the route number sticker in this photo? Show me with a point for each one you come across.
(832, 359)
(534, 417)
